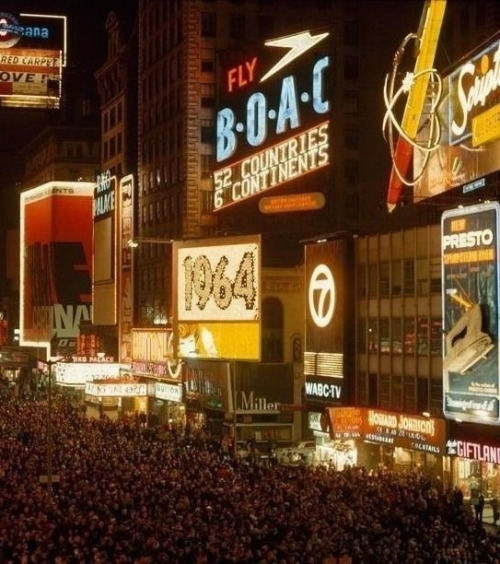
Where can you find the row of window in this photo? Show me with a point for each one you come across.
(400, 393)
(112, 117)
(161, 209)
(400, 335)
(400, 277)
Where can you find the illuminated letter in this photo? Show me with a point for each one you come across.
(256, 119)
(320, 106)
(288, 106)
(226, 139)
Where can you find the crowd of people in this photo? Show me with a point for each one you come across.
(121, 495)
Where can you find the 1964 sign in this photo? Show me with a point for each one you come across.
(219, 282)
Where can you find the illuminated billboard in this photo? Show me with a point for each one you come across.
(104, 250)
(325, 271)
(32, 56)
(55, 264)
(471, 387)
(125, 285)
(218, 297)
(415, 432)
(469, 115)
(272, 126)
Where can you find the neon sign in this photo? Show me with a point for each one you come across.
(275, 132)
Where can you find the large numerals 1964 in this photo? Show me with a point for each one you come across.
(202, 282)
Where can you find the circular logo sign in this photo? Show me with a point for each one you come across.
(10, 31)
(322, 295)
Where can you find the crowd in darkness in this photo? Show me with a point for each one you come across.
(127, 496)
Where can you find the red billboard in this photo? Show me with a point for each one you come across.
(56, 264)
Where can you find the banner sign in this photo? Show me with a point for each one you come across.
(471, 389)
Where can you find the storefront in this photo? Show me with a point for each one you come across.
(166, 407)
(115, 398)
(399, 441)
(474, 462)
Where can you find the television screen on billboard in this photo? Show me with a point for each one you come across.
(32, 56)
(218, 297)
(471, 387)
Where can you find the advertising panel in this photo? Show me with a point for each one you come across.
(55, 264)
(218, 298)
(470, 313)
(126, 292)
(273, 125)
(469, 117)
(415, 432)
(32, 56)
(105, 255)
(208, 383)
(325, 273)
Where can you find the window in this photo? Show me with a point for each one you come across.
(409, 335)
(207, 165)
(384, 336)
(207, 131)
(351, 101)
(372, 280)
(208, 24)
(351, 67)
(351, 136)
(237, 26)
(396, 335)
(396, 278)
(362, 335)
(207, 92)
(384, 279)
(207, 203)
(351, 34)
(436, 336)
(207, 60)
(362, 285)
(351, 172)
(409, 277)
(352, 206)
(272, 330)
(372, 335)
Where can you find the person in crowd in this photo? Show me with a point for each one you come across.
(126, 497)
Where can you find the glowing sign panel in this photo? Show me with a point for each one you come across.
(283, 119)
(219, 282)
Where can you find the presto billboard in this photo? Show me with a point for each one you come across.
(32, 56)
(471, 387)
(468, 148)
(218, 297)
(55, 264)
(273, 126)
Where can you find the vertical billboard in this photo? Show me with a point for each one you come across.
(325, 273)
(32, 56)
(469, 118)
(125, 285)
(273, 125)
(217, 307)
(55, 264)
(104, 250)
(469, 249)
